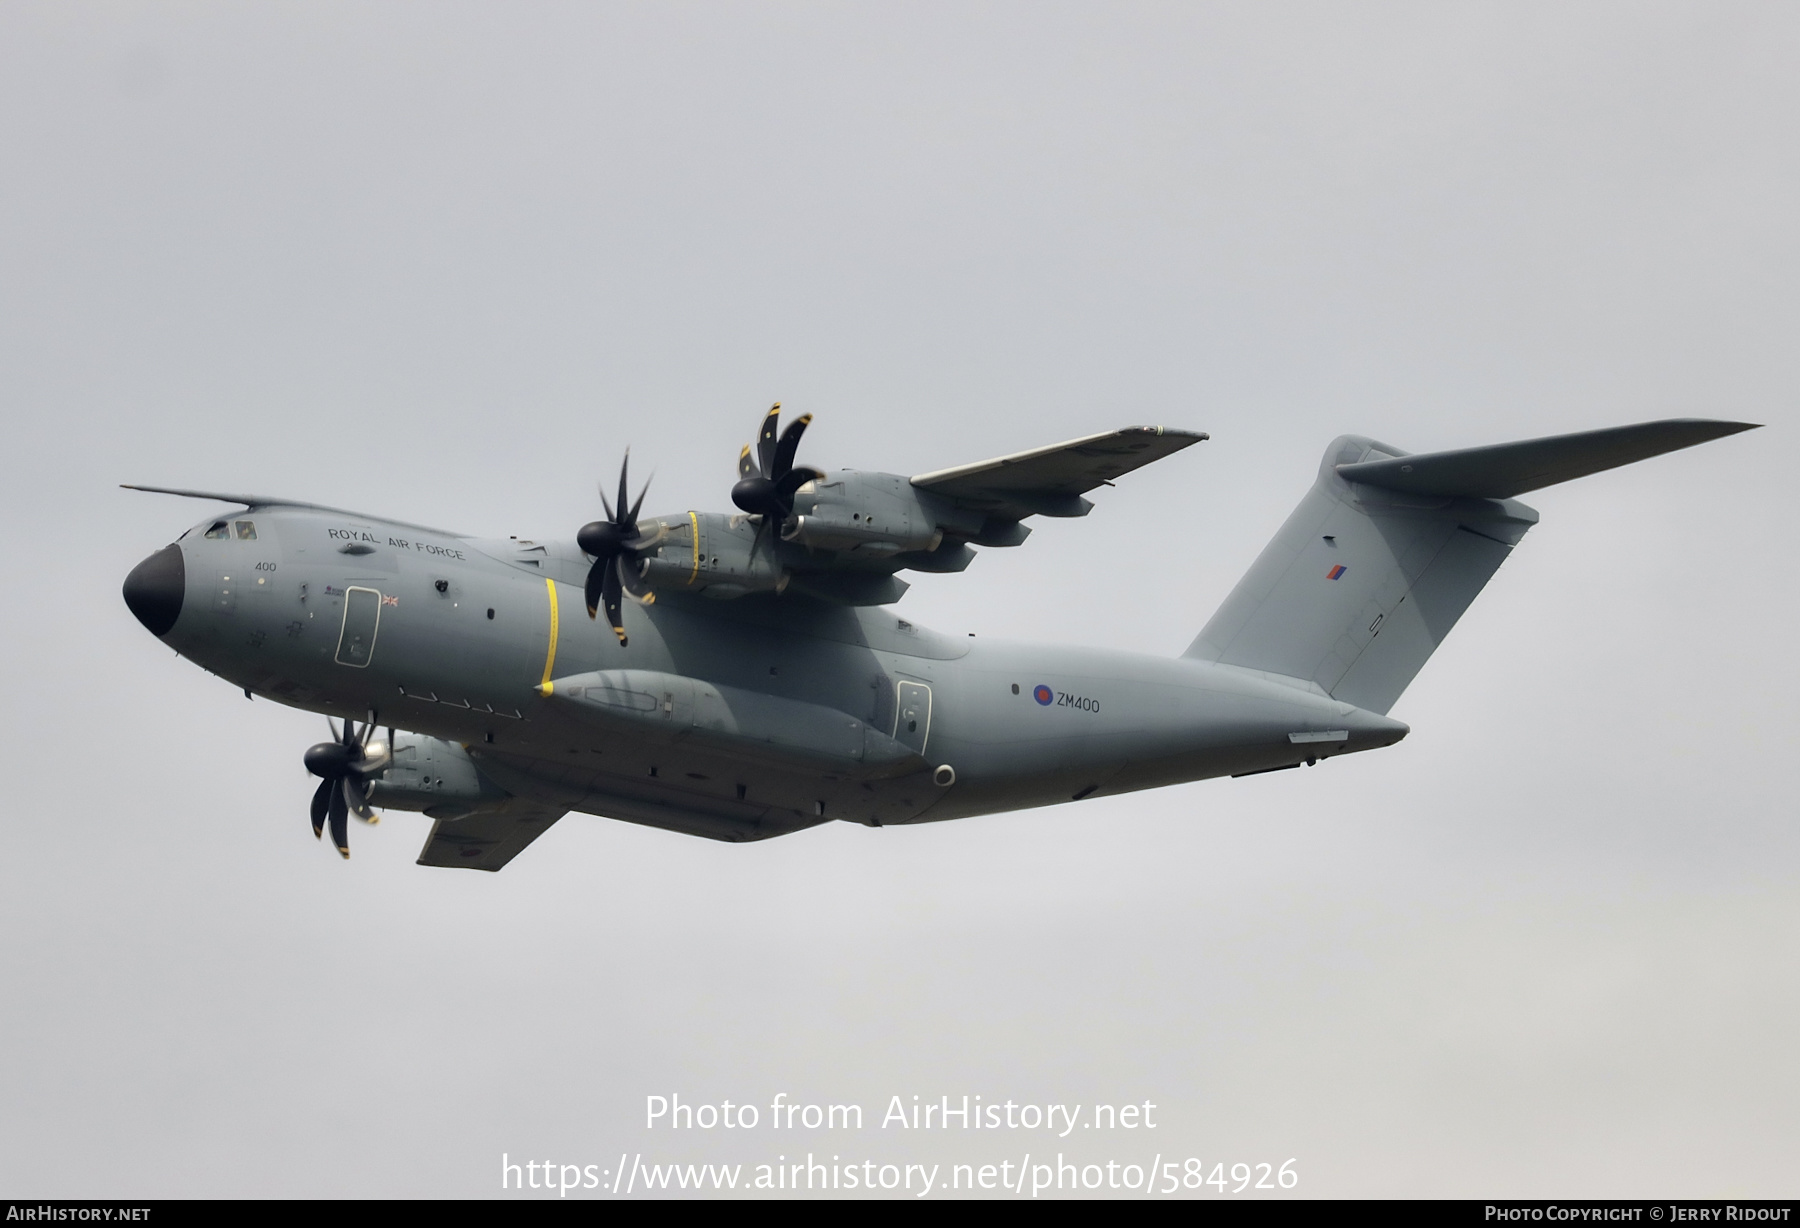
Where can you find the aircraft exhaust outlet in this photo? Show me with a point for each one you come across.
(944, 777)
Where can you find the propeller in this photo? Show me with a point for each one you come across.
(767, 481)
(346, 764)
(618, 549)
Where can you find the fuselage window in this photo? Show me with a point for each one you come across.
(219, 532)
(246, 530)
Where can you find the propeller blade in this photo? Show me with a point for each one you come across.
(357, 800)
(336, 735)
(631, 521)
(768, 528)
(790, 444)
(633, 581)
(321, 798)
(596, 578)
(603, 503)
(765, 440)
(340, 831)
(746, 466)
(624, 471)
(609, 597)
(615, 546)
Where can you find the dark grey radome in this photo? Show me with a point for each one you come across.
(155, 587)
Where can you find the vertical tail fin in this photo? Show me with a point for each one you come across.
(1388, 549)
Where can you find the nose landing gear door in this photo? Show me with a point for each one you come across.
(913, 724)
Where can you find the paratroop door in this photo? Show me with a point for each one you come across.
(362, 615)
(914, 723)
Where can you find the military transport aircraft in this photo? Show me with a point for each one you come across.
(750, 679)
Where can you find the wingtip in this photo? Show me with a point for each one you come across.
(1716, 428)
(1706, 430)
(1179, 432)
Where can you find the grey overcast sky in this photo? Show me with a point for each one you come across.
(445, 261)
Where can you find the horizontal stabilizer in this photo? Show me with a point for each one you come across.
(1504, 470)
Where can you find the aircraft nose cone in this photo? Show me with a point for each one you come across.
(155, 587)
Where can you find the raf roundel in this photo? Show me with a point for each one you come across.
(1044, 695)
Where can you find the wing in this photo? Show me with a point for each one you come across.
(486, 840)
(1050, 481)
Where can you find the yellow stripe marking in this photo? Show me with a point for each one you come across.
(695, 518)
(550, 656)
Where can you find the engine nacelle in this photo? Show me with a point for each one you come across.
(854, 518)
(714, 554)
(434, 776)
(866, 515)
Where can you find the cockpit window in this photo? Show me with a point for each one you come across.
(246, 530)
(220, 530)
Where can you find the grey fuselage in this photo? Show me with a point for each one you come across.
(470, 636)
